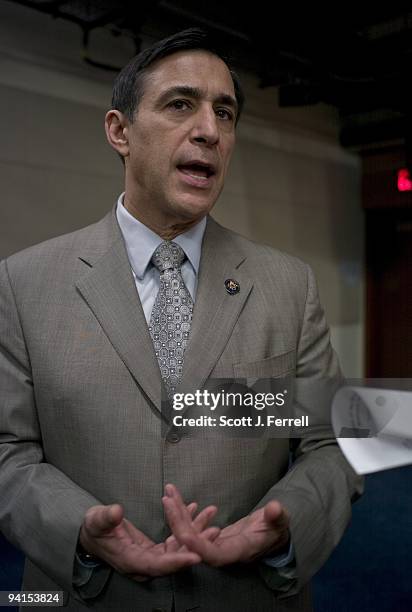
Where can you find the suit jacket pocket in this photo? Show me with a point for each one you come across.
(271, 367)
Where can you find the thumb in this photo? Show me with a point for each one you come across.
(100, 520)
(276, 515)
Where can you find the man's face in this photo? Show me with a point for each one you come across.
(181, 139)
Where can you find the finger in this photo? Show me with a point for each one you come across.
(166, 563)
(178, 519)
(185, 532)
(276, 515)
(100, 520)
(202, 545)
(136, 536)
(173, 492)
(176, 515)
(211, 533)
(172, 545)
(170, 490)
(204, 517)
(177, 504)
(182, 528)
(195, 542)
(191, 508)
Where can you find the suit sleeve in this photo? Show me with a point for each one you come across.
(319, 487)
(41, 509)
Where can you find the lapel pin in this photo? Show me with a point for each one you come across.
(232, 286)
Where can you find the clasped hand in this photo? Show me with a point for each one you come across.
(111, 537)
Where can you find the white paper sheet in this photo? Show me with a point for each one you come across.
(382, 420)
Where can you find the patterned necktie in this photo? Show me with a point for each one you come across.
(171, 316)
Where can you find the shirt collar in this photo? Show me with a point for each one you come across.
(141, 242)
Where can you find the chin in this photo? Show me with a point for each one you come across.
(193, 209)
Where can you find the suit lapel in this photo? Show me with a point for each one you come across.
(216, 311)
(109, 289)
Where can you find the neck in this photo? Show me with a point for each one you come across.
(167, 229)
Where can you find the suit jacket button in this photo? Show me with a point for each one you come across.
(173, 437)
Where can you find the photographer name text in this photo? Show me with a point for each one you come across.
(244, 421)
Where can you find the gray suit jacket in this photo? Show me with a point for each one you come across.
(80, 400)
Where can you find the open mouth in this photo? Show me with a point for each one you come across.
(197, 170)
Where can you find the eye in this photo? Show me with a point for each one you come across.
(178, 105)
(225, 114)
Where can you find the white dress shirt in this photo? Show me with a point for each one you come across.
(141, 242)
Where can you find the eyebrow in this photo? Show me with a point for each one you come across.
(197, 94)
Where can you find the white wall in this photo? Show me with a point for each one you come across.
(290, 183)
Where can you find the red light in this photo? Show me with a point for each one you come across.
(404, 180)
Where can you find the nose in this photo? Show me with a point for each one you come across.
(205, 128)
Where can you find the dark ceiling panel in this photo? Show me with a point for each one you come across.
(357, 60)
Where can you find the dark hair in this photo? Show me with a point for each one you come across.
(128, 87)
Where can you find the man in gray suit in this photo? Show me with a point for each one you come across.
(87, 343)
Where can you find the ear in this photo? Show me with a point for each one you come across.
(116, 126)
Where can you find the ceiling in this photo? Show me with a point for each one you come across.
(357, 60)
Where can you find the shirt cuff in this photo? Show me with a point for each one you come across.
(281, 560)
(82, 572)
(89, 580)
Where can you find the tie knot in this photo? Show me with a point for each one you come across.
(168, 255)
